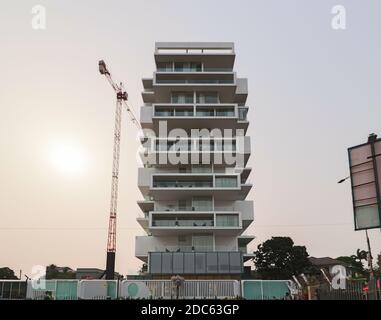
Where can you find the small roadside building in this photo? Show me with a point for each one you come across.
(326, 263)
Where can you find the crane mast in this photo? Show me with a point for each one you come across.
(121, 98)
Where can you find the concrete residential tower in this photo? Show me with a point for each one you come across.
(194, 179)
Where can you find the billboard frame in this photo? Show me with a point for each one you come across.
(371, 141)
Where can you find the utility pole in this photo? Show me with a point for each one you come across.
(370, 258)
(121, 98)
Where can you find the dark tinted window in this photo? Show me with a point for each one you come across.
(200, 262)
(178, 263)
(166, 262)
(155, 262)
(188, 262)
(211, 262)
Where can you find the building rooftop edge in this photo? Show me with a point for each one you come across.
(194, 45)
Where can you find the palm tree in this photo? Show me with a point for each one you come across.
(360, 255)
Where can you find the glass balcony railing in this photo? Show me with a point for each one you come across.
(195, 248)
(183, 184)
(192, 69)
(187, 208)
(195, 81)
(215, 112)
(174, 112)
(227, 220)
(183, 223)
(189, 66)
(229, 182)
(183, 112)
(200, 112)
(220, 182)
(224, 113)
(205, 113)
(185, 249)
(200, 146)
(242, 113)
(216, 147)
(217, 69)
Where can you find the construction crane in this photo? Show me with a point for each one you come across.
(121, 99)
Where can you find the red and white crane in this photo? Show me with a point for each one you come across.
(121, 99)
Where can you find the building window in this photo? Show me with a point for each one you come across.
(229, 145)
(184, 112)
(226, 182)
(188, 66)
(207, 97)
(163, 112)
(227, 220)
(164, 67)
(202, 203)
(205, 112)
(201, 168)
(182, 205)
(202, 242)
(225, 112)
(182, 97)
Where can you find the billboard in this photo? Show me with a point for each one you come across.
(365, 173)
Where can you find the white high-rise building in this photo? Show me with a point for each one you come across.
(194, 181)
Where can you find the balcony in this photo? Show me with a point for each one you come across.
(162, 152)
(211, 54)
(227, 116)
(172, 208)
(229, 88)
(198, 111)
(146, 244)
(190, 67)
(195, 262)
(182, 185)
(179, 223)
(200, 144)
(201, 182)
(164, 69)
(194, 78)
(182, 222)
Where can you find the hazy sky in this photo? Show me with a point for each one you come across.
(313, 92)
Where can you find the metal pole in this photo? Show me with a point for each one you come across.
(370, 258)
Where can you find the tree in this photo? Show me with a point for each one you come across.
(143, 269)
(279, 258)
(7, 273)
(354, 265)
(55, 272)
(361, 255)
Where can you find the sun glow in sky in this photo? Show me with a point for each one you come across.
(69, 159)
